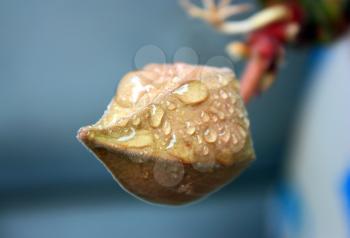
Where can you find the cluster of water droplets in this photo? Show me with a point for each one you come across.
(193, 122)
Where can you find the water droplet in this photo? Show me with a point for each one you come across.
(210, 135)
(230, 109)
(216, 113)
(122, 122)
(234, 139)
(137, 139)
(214, 118)
(225, 136)
(172, 142)
(197, 121)
(205, 150)
(205, 117)
(190, 129)
(223, 94)
(186, 189)
(246, 122)
(131, 89)
(239, 136)
(240, 113)
(216, 104)
(199, 139)
(221, 127)
(157, 114)
(241, 131)
(233, 99)
(224, 80)
(166, 128)
(221, 115)
(136, 121)
(171, 106)
(176, 79)
(192, 93)
(146, 175)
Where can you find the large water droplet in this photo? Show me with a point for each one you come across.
(192, 93)
(157, 114)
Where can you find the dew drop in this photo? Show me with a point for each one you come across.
(157, 114)
(223, 94)
(190, 129)
(220, 127)
(205, 117)
(175, 79)
(146, 175)
(223, 80)
(192, 93)
(166, 128)
(230, 109)
(122, 122)
(234, 139)
(171, 106)
(136, 139)
(242, 131)
(136, 121)
(186, 189)
(210, 135)
(221, 115)
(239, 136)
(216, 104)
(199, 139)
(172, 142)
(214, 118)
(225, 136)
(246, 122)
(205, 150)
(233, 99)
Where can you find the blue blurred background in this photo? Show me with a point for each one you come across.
(60, 63)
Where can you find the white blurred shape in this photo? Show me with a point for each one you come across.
(320, 155)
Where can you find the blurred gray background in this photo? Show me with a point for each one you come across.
(60, 63)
